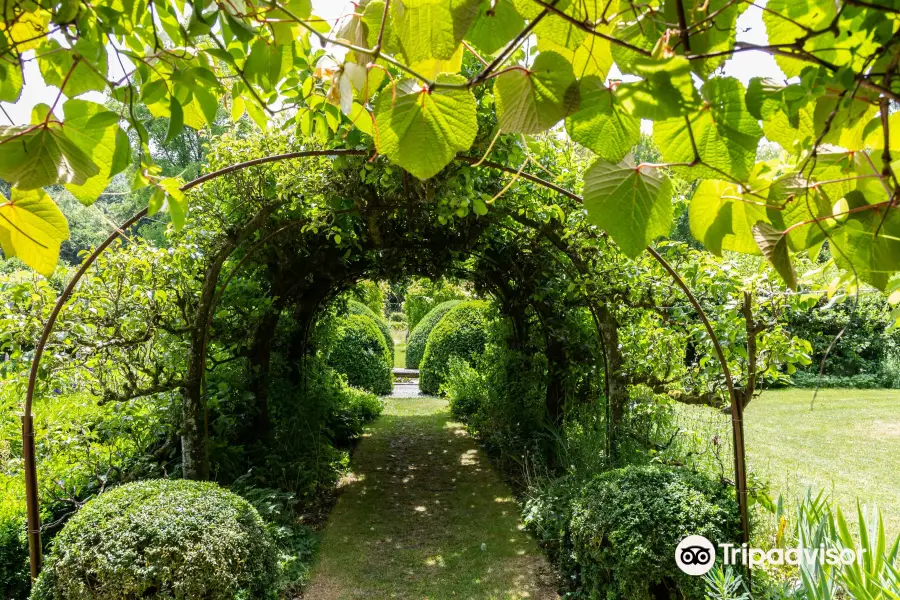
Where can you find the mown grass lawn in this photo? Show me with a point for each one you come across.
(847, 443)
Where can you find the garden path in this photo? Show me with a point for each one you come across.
(423, 515)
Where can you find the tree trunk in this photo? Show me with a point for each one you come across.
(260, 363)
(194, 463)
(618, 379)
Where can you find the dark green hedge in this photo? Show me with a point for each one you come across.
(360, 352)
(461, 332)
(358, 308)
(161, 539)
(13, 552)
(418, 337)
(615, 535)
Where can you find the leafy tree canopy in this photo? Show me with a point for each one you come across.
(409, 79)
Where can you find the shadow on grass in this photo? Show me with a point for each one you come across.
(423, 515)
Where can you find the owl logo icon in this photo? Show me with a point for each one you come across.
(695, 555)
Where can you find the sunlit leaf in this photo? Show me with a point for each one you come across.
(97, 133)
(723, 133)
(533, 100)
(431, 29)
(32, 228)
(39, 155)
(721, 218)
(422, 130)
(632, 204)
(497, 23)
(601, 124)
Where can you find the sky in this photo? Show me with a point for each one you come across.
(743, 66)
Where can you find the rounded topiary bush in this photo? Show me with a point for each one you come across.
(359, 352)
(161, 539)
(626, 524)
(358, 308)
(418, 337)
(461, 332)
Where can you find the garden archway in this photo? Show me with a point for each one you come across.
(509, 253)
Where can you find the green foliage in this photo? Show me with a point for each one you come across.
(465, 388)
(358, 308)
(372, 294)
(867, 340)
(14, 573)
(82, 448)
(197, 539)
(433, 98)
(418, 337)
(626, 522)
(461, 332)
(360, 352)
(423, 295)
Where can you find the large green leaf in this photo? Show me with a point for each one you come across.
(642, 29)
(58, 67)
(786, 112)
(39, 155)
(431, 29)
(498, 22)
(32, 228)
(868, 243)
(96, 132)
(846, 119)
(373, 14)
(725, 134)
(666, 90)
(773, 244)
(533, 100)
(785, 21)
(11, 80)
(632, 204)
(601, 124)
(722, 219)
(712, 25)
(422, 130)
(796, 206)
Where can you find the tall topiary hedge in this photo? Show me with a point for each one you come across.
(358, 308)
(418, 338)
(461, 332)
(360, 352)
(161, 539)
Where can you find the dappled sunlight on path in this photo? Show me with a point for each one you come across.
(425, 516)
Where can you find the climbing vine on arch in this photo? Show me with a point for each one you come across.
(410, 79)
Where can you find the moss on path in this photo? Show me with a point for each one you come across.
(425, 516)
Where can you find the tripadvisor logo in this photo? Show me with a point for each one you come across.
(696, 555)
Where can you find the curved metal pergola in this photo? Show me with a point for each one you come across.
(28, 435)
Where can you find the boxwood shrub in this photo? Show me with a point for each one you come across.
(418, 337)
(161, 539)
(360, 352)
(358, 308)
(626, 524)
(461, 332)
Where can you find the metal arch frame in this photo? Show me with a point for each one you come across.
(28, 445)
